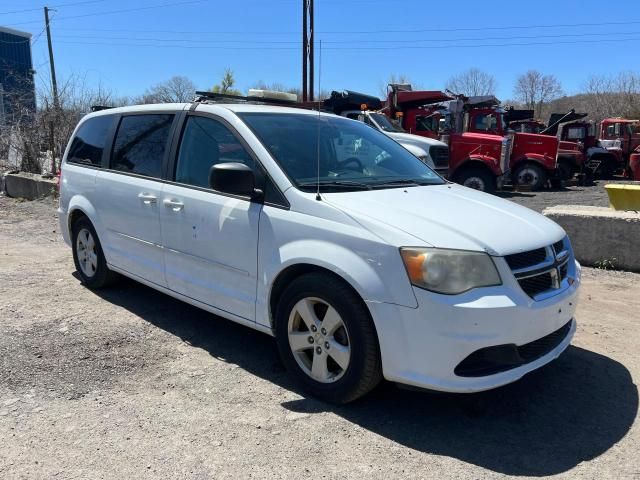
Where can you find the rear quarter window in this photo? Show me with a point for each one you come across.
(88, 144)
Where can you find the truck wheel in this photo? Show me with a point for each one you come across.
(326, 338)
(531, 175)
(88, 256)
(478, 179)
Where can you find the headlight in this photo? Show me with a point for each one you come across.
(449, 271)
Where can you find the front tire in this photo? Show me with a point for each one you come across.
(88, 256)
(326, 338)
(530, 175)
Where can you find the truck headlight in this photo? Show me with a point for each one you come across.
(449, 271)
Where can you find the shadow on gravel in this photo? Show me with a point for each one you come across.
(570, 411)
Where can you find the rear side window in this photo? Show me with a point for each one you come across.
(141, 143)
(88, 144)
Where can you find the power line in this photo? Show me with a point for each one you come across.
(124, 10)
(53, 6)
(339, 42)
(348, 32)
(413, 47)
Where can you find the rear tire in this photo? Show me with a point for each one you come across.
(477, 178)
(88, 256)
(531, 175)
(326, 338)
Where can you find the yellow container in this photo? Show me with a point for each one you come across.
(624, 196)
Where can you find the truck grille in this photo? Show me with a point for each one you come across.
(440, 156)
(541, 270)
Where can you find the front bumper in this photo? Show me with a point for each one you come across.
(423, 346)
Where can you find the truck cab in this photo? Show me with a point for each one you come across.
(621, 137)
(365, 108)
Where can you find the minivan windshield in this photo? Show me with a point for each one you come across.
(337, 153)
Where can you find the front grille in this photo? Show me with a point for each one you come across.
(532, 286)
(541, 270)
(440, 156)
(500, 358)
(526, 259)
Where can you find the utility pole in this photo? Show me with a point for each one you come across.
(311, 62)
(305, 49)
(54, 83)
(54, 87)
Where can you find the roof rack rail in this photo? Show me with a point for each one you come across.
(97, 108)
(204, 96)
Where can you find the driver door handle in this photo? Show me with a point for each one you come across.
(174, 205)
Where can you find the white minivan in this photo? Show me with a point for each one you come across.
(325, 233)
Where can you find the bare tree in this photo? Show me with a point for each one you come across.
(177, 89)
(472, 82)
(610, 96)
(534, 89)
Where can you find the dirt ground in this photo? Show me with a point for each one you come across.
(129, 383)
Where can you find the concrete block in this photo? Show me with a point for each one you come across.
(601, 234)
(28, 186)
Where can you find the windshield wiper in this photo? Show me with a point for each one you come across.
(336, 183)
(401, 183)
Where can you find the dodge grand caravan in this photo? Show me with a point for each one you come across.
(316, 229)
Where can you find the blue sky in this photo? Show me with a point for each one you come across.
(364, 41)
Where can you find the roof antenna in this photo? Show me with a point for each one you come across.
(318, 142)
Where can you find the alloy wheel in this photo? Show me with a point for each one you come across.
(86, 250)
(319, 340)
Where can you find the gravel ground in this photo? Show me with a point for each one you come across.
(130, 383)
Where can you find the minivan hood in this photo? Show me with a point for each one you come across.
(448, 216)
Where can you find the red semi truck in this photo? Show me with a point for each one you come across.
(483, 154)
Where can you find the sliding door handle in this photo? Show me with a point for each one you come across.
(147, 198)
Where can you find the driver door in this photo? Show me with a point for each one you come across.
(210, 238)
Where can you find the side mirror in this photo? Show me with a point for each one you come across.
(232, 177)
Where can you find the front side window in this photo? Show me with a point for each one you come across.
(89, 142)
(206, 142)
(351, 155)
(141, 143)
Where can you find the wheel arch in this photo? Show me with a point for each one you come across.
(297, 270)
(477, 162)
(79, 206)
(530, 159)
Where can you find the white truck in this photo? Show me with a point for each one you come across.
(359, 106)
